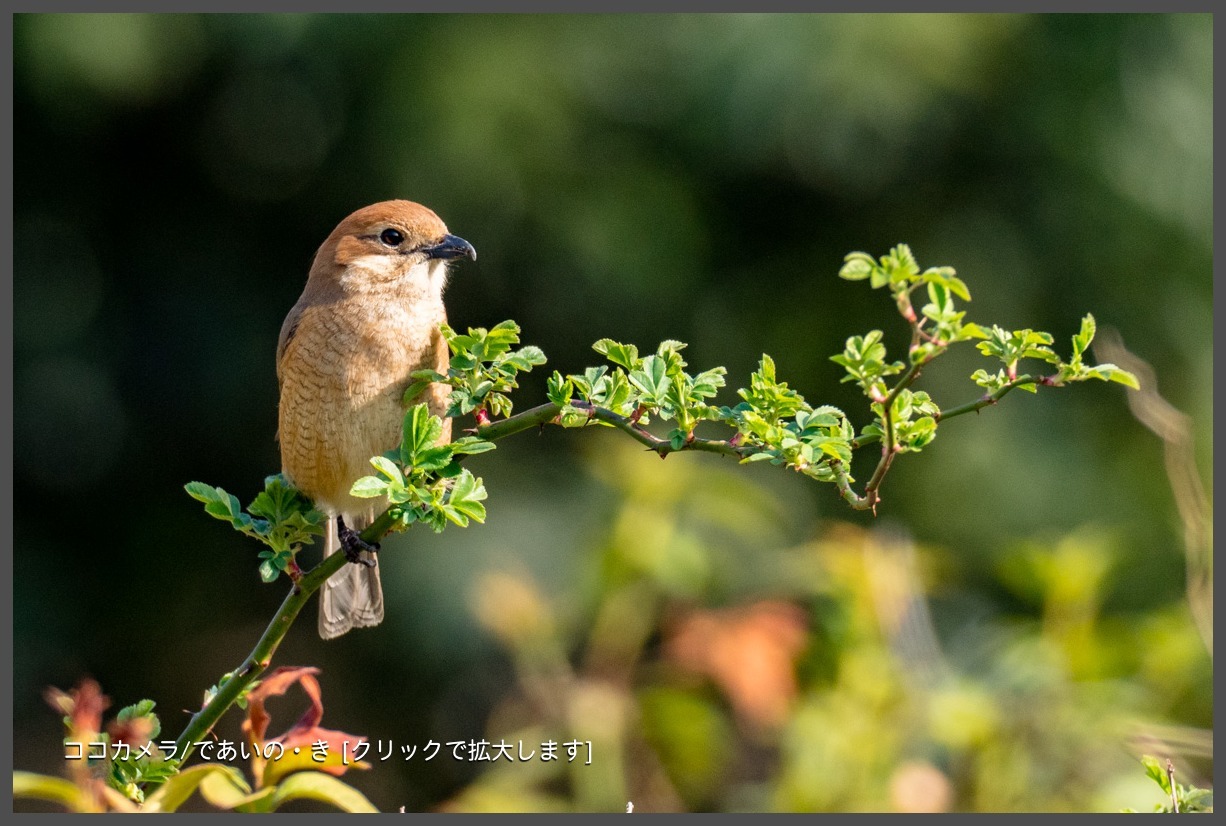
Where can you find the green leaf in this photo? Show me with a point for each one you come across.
(708, 383)
(559, 390)
(946, 278)
(202, 492)
(571, 416)
(1109, 372)
(388, 469)
(766, 369)
(268, 571)
(51, 789)
(223, 786)
(464, 361)
(651, 379)
(501, 338)
(144, 708)
(1157, 771)
(217, 502)
(314, 785)
(279, 501)
(465, 501)
(420, 431)
(1081, 341)
(433, 459)
(625, 355)
(857, 267)
(471, 445)
(900, 265)
(1197, 800)
(527, 357)
(416, 388)
(369, 487)
(972, 330)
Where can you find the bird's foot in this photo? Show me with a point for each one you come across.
(353, 545)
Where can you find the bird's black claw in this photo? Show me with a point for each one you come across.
(353, 545)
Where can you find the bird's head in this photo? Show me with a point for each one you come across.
(397, 246)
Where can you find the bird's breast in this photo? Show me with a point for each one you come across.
(343, 375)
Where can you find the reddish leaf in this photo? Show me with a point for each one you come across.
(83, 706)
(302, 735)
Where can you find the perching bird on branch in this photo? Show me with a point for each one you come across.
(368, 317)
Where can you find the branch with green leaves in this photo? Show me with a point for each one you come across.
(656, 400)
(772, 422)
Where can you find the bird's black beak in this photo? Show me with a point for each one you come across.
(452, 246)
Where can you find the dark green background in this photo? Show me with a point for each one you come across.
(636, 177)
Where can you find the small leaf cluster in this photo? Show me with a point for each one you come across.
(940, 323)
(863, 358)
(908, 419)
(138, 777)
(279, 516)
(1188, 798)
(913, 417)
(483, 369)
(785, 429)
(772, 422)
(1010, 347)
(423, 479)
(638, 387)
(912, 421)
(129, 771)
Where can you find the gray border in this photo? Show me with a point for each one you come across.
(6, 224)
(6, 445)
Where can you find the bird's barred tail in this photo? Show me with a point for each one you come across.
(353, 596)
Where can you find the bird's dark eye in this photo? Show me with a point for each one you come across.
(391, 237)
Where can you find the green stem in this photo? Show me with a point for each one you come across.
(548, 414)
(888, 449)
(992, 398)
(536, 417)
(257, 661)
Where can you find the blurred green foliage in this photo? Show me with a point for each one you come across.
(1011, 633)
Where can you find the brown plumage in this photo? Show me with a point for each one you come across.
(368, 317)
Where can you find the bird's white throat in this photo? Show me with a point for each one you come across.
(387, 273)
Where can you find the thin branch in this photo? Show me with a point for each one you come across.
(993, 398)
(548, 414)
(536, 417)
(888, 448)
(257, 661)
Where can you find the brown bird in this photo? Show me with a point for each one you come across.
(368, 317)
